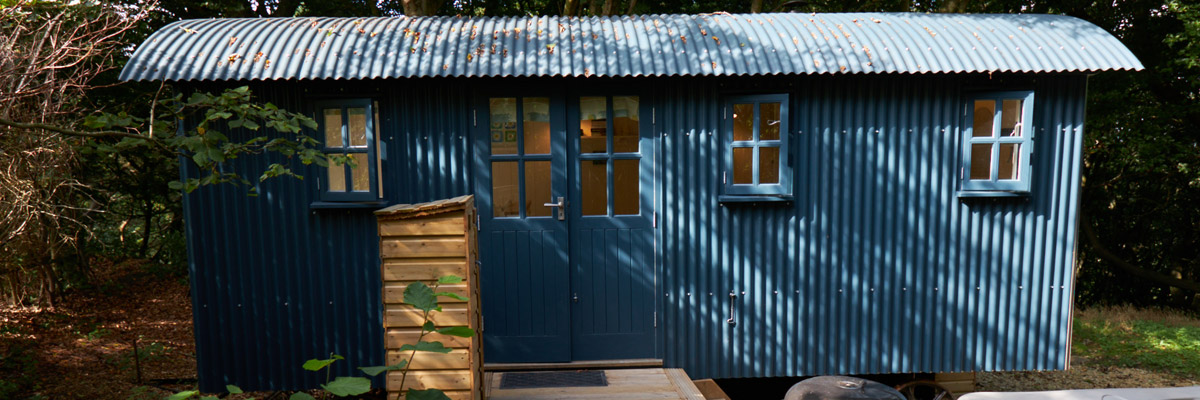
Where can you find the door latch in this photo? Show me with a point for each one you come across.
(561, 206)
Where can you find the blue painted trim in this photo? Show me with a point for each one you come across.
(728, 198)
(1025, 169)
(990, 193)
(784, 187)
(335, 205)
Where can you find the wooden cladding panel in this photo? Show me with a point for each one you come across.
(424, 246)
(435, 246)
(423, 269)
(455, 359)
(398, 337)
(393, 293)
(443, 224)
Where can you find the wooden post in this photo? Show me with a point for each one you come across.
(422, 242)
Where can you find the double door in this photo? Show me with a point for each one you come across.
(564, 187)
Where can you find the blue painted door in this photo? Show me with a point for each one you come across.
(612, 241)
(566, 243)
(520, 168)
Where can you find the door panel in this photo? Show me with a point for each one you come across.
(523, 247)
(612, 241)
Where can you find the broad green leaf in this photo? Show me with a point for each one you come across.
(373, 371)
(428, 394)
(420, 296)
(450, 279)
(316, 365)
(451, 295)
(186, 394)
(435, 347)
(300, 396)
(210, 398)
(233, 389)
(460, 331)
(175, 185)
(348, 386)
(429, 326)
(251, 125)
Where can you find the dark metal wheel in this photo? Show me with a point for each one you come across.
(925, 390)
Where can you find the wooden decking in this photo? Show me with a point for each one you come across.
(639, 383)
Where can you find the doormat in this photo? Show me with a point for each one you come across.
(529, 380)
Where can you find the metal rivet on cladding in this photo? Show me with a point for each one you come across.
(872, 289)
(935, 289)
(839, 290)
(689, 294)
(776, 292)
(977, 288)
(1020, 287)
(743, 293)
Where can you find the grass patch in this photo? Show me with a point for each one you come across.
(1156, 340)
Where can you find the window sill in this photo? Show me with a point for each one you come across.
(990, 193)
(347, 205)
(742, 198)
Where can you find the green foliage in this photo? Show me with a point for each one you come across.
(348, 386)
(317, 365)
(1151, 345)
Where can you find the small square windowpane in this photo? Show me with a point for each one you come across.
(337, 178)
(357, 125)
(625, 124)
(743, 122)
(593, 182)
(1010, 120)
(333, 127)
(593, 125)
(743, 165)
(505, 183)
(768, 124)
(626, 184)
(503, 125)
(984, 116)
(768, 165)
(1010, 157)
(981, 161)
(536, 122)
(537, 189)
(361, 173)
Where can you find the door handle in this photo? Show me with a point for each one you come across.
(561, 206)
(732, 314)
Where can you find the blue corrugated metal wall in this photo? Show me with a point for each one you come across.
(275, 283)
(876, 267)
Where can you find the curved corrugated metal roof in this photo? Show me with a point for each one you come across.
(649, 45)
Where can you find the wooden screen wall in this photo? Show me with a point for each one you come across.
(422, 242)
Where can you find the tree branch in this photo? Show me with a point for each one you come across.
(69, 132)
(1128, 267)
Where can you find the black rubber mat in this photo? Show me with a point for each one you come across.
(528, 380)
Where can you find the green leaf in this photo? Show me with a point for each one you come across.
(435, 347)
(460, 331)
(300, 396)
(451, 295)
(429, 326)
(420, 296)
(449, 279)
(187, 394)
(428, 394)
(175, 185)
(233, 389)
(348, 386)
(316, 365)
(210, 398)
(373, 371)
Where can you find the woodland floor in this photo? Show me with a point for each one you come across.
(83, 347)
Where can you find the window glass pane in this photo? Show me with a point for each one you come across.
(1010, 157)
(768, 124)
(537, 189)
(1010, 118)
(743, 122)
(625, 187)
(337, 178)
(536, 116)
(361, 174)
(505, 196)
(378, 159)
(593, 184)
(981, 161)
(985, 112)
(503, 125)
(357, 126)
(743, 165)
(333, 127)
(593, 125)
(625, 124)
(768, 165)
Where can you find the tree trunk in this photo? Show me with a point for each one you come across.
(756, 6)
(632, 4)
(1156, 277)
(610, 7)
(421, 8)
(570, 8)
